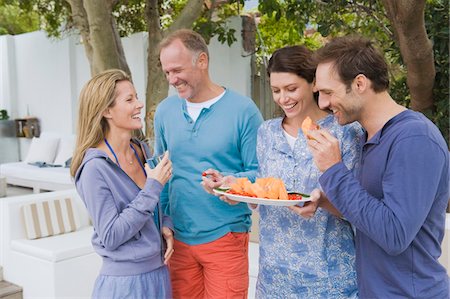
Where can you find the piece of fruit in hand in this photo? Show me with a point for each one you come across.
(309, 125)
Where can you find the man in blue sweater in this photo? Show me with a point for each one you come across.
(397, 199)
(204, 126)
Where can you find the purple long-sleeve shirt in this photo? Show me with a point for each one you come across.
(125, 234)
(397, 203)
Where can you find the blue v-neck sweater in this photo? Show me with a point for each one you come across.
(224, 138)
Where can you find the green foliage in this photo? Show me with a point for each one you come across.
(285, 22)
(437, 20)
(15, 20)
(130, 17)
(215, 23)
(56, 16)
(56, 19)
(4, 114)
(277, 32)
(169, 11)
(47, 15)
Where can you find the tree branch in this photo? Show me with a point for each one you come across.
(187, 16)
(371, 13)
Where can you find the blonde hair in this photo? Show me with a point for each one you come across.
(97, 95)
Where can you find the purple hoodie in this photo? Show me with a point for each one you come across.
(125, 233)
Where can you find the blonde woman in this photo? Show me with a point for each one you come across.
(121, 192)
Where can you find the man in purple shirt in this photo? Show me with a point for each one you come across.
(397, 199)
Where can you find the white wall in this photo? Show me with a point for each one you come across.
(8, 78)
(445, 257)
(44, 80)
(44, 76)
(228, 66)
(47, 76)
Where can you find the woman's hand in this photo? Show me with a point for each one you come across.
(162, 172)
(318, 199)
(168, 238)
(309, 208)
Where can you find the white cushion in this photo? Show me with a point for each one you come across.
(48, 218)
(42, 150)
(57, 248)
(21, 170)
(65, 150)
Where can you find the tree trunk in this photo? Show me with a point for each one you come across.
(107, 50)
(157, 86)
(99, 34)
(407, 20)
(80, 20)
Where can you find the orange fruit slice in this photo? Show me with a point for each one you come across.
(308, 125)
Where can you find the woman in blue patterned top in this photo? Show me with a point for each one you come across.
(312, 256)
(301, 257)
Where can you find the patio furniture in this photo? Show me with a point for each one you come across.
(48, 150)
(62, 265)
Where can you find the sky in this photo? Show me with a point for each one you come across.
(249, 4)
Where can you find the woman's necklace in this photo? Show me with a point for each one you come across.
(115, 156)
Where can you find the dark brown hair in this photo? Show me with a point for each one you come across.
(354, 55)
(293, 59)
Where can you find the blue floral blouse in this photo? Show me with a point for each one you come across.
(304, 258)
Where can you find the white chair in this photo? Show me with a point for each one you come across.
(59, 266)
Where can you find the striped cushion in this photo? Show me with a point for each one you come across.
(48, 218)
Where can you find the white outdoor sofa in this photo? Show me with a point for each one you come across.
(59, 266)
(39, 179)
(54, 267)
(51, 149)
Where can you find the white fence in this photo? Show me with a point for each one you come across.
(43, 77)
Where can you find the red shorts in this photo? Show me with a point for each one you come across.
(218, 269)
